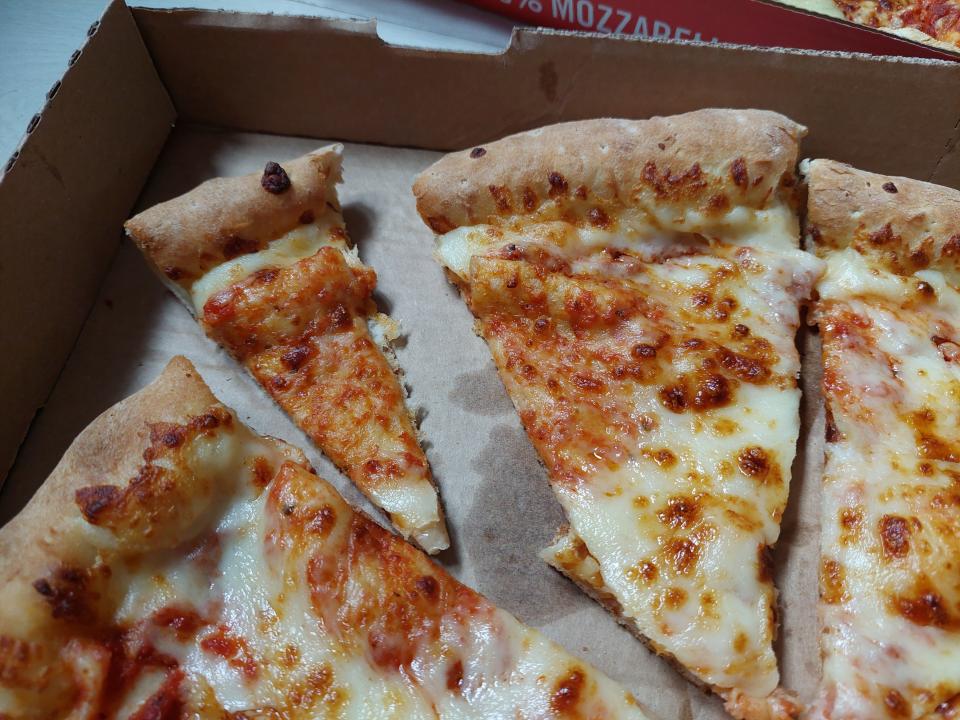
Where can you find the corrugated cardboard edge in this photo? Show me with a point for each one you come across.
(336, 79)
(71, 182)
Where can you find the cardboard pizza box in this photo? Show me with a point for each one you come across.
(157, 101)
(800, 24)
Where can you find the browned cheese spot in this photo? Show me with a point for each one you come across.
(895, 536)
(926, 290)
(428, 587)
(740, 642)
(924, 605)
(598, 218)
(294, 358)
(681, 511)
(851, 520)
(643, 351)
(675, 598)
(455, 677)
(764, 563)
(645, 571)
(567, 694)
(683, 554)
(712, 392)
(832, 581)
(754, 462)
(674, 398)
(893, 701)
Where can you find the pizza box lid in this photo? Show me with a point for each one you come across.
(801, 24)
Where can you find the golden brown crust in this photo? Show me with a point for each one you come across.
(745, 153)
(50, 531)
(226, 217)
(904, 224)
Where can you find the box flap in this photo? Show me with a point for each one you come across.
(63, 198)
(321, 78)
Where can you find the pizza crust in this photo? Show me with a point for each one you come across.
(51, 531)
(224, 217)
(853, 206)
(612, 160)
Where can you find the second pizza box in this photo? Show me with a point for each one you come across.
(158, 101)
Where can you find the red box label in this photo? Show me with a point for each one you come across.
(746, 22)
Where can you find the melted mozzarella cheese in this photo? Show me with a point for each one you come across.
(650, 235)
(271, 642)
(411, 501)
(301, 242)
(697, 587)
(889, 508)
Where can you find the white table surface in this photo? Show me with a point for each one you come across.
(37, 38)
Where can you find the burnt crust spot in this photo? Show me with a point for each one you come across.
(558, 184)
(882, 236)
(65, 591)
(501, 198)
(235, 246)
(275, 179)
(889, 187)
(738, 171)
(478, 152)
(94, 499)
(529, 199)
(307, 217)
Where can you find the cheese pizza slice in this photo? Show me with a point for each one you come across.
(889, 317)
(638, 284)
(264, 263)
(177, 565)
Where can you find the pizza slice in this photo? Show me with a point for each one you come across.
(177, 565)
(264, 263)
(889, 317)
(638, 284)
